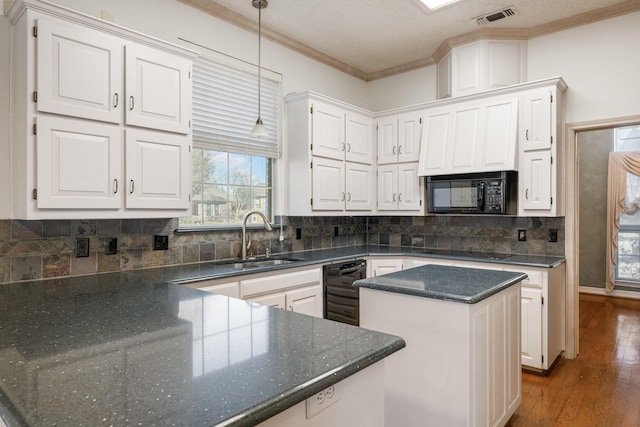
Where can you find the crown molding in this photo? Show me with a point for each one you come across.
(234, 18)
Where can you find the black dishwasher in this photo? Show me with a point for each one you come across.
(341, 299)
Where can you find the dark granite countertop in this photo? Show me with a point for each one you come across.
(325, 256)
(127, 349)
(463, 285)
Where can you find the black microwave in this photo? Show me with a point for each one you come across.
(477, 193)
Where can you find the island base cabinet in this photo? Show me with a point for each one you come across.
(360, 402)
(461, 365)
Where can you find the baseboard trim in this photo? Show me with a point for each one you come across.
(614, 293)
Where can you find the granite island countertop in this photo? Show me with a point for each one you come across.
(457, 284)
(113, 350)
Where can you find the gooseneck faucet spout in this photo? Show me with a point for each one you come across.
(267, 227)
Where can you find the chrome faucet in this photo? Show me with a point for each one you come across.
(267, 227)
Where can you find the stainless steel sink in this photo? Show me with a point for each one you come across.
(263, 262)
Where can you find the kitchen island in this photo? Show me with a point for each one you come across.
(125, 349)
(462, 363)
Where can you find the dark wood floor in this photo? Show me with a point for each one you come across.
(601, 387)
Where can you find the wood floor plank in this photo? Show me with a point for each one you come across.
(601, 387)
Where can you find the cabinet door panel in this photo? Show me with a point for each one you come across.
(409, 134)
(78, 164)
(274, 300)
(537, 120)
(306, 301)
(387, 140)
(359, 138)
(409, 197)
(158, 170)
(79, 72)
(158, 87)
(437, 127)
(499, 136)
(359, 186)
(537, 180)
(531, 350)
(465, 139)
(327, 131)
(387, 188)
(328, 184)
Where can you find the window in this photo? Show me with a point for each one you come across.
(232, 173)
(628, 254)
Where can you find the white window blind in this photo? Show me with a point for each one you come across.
(225, 108)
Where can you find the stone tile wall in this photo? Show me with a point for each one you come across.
(46, 249)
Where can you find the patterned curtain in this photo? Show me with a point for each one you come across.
(619, 200)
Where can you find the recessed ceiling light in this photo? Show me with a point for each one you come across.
(435, 4)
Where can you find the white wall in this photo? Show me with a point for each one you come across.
(402, 90)
(600, 63)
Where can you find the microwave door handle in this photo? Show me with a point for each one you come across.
(481, 196)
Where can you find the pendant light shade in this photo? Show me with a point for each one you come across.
(259, 131)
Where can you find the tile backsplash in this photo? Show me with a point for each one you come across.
(46, 249)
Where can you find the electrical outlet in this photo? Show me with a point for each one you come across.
(298, 233)
(82, 247)
(522, 235)
(553, 236)
(111, 246)
(322, 400)
(160, 243)
(335, 231)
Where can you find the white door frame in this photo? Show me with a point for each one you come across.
(571, 245)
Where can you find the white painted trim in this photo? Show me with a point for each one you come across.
(615, 293)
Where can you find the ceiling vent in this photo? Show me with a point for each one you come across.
(496, 16)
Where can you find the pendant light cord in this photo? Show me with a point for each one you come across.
(259, 60)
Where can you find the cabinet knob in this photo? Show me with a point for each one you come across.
(290, 308)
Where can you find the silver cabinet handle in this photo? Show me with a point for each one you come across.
(394, 197)
(115, 100)
(400, 197)
(348, 196)
(115, 186)
(399, 149)
(342, 148)
(131, 186)
(394, 150)
(343, 196)
(526, 194)
(527, 134)
(131, 103)
(348, 147)
(290, 308)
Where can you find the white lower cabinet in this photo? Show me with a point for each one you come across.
(542, 304)
(298, 290)
(461, 365)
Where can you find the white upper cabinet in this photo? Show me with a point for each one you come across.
(327, 131)
(400, 188)
(158, 89)
(330, 154)
(79, 72)
(78, 164)
(399, 138)
(158, 170)
(481, 66)
(359, 137)
(79, 86)
(478, 135)
(536, 124)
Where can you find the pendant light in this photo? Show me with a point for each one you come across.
(259, 131)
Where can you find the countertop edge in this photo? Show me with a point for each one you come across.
(282, 402)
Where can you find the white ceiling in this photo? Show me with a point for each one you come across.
(373, 38)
